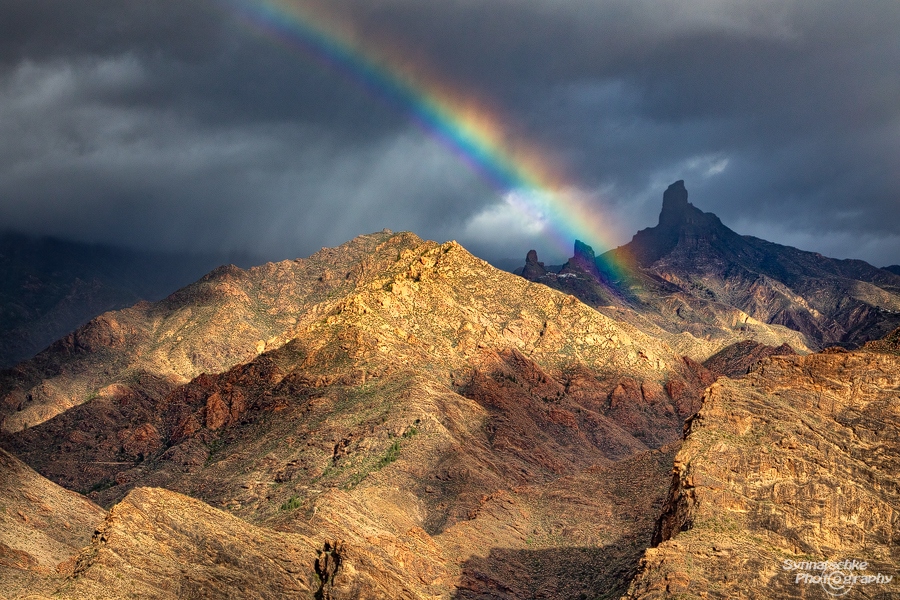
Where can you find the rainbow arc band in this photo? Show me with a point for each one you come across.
(520, 173)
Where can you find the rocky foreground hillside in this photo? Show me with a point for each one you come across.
(42, 528)
(692, 273)
(395, 413)
(795, 463)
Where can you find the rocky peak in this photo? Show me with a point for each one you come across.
(533, 269)
(675, 202)
(677, 213)
(583, 252)
(680, 224)
(678, 216)
(584, 260)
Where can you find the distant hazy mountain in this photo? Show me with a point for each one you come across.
(48, 287)
(893, 269)
(690, 270)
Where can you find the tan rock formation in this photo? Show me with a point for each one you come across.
(796, 462)
(158, 544)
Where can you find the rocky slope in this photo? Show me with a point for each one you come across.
(158, 544)
(699, 326)
(738, 359)
(461, 431)
(50, 287)
(692, 273)
(395, 418)
(797, 462)
(889, 344)
(42, 528)
(227, 317)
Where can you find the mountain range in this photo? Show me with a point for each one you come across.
(692, 273)
(395, 418)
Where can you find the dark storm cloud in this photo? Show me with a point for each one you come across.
(174, 124)
(61, 28)
(80, 166)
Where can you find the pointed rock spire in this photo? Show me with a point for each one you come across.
(583, 260)
(533, 268)
(675, 204)
(583, 252)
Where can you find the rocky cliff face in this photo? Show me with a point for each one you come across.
(691, 273)
(796, 462)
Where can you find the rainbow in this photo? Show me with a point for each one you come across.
(521, 173)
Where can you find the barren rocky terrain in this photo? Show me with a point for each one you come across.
(454, 427)
(227, 317)
(795, 462)
(395, 418)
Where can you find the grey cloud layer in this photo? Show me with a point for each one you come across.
(171, 124)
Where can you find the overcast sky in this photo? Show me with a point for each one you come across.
(168, 124)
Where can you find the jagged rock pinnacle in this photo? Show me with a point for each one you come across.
(533, 268)
(584, 252)
(680, 223)
(676, 193)
(675, 203)
(583, 260)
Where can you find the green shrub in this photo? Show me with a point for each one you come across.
(291, 503)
